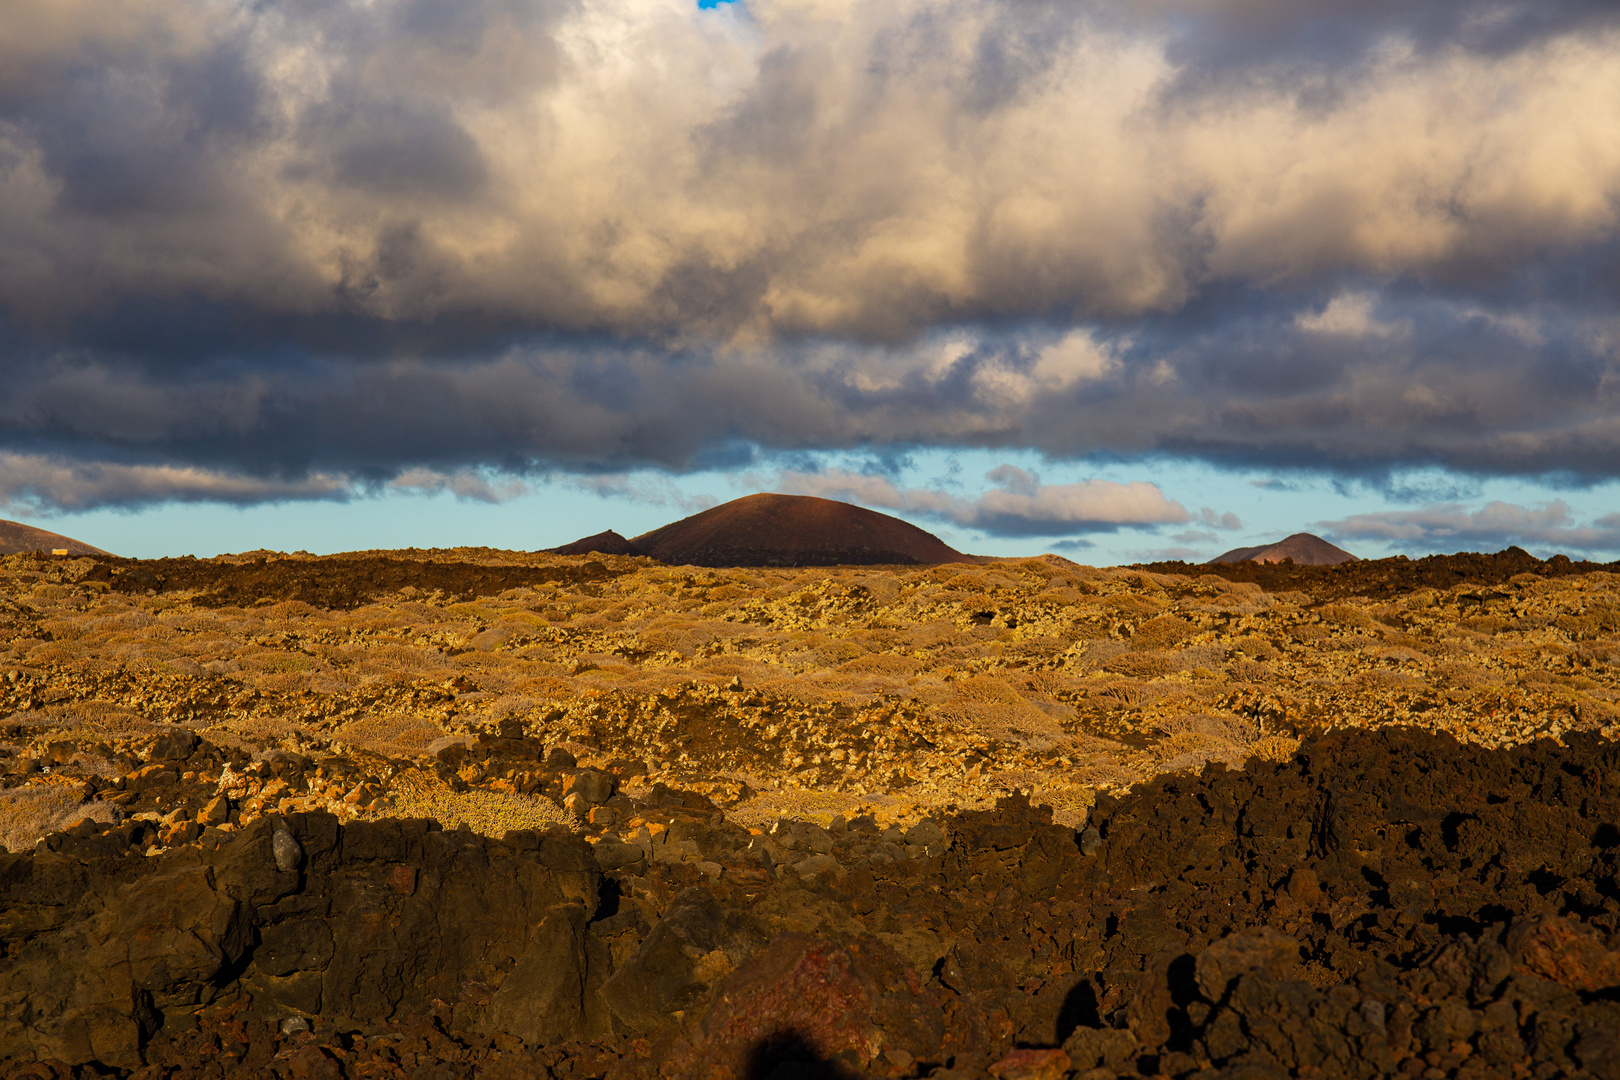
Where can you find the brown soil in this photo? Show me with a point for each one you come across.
(793, 530)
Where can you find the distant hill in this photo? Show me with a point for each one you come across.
(16, 537)
(603, 543)
(792, 530)
(1304, 548)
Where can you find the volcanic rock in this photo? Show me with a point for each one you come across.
(15, 537)
(793, 530)
(1304, 548)
(809, 1002)
(603, 543)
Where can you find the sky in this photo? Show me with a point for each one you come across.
(1119, 281)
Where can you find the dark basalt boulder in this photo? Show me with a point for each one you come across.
(360, 924)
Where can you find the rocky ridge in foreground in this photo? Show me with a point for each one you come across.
(1385, 902)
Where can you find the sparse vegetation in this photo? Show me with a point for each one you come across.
(884, 689)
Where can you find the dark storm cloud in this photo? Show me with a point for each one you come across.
(1238, 34)
(293, 249)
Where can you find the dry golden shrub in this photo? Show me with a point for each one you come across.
(1065, 597)
(1224, 729)
(743, 667)
(997, 711)
(1133, 605)
(545, 687)
(281, 682)
(491, 814)
(334, 682)
(94, 717)
(1141, 665)
(1397, 654)
(971, 582)
(1256, 647)
(1162, 632)
(388, 659)
(671, 635)
(274, 661)
(647, 682)
(494, 637)
(831, 652)
(1345, 615)
(1250, 671)
(1274, 748)
(930, 634)
(295, 613)
(1384, 679)
(1122, 693)
(883, 664)
(390, 735)
(50, 653)
(27, 814)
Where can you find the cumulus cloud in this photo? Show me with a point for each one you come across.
(38, 484)
(425, 245)
(467, 484)
(1017, 505)
(1492, 527)
(1215, 519)
(647, 490)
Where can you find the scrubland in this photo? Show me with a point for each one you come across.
(895, 691)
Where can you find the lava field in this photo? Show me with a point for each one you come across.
(455, 814)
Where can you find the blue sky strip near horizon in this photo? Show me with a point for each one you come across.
(1118, 281)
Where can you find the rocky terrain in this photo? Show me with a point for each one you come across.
(469, 812)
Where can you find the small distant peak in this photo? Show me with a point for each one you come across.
(603, 543)
(1306, 549)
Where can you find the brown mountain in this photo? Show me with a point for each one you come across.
(1304, 548)
(603, 543)
(16, 537)
(793, 530)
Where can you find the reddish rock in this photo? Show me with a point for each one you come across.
(403, 880)
(313, 1063)
(1032, 1065)
(1554, 948)
(804, 998)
